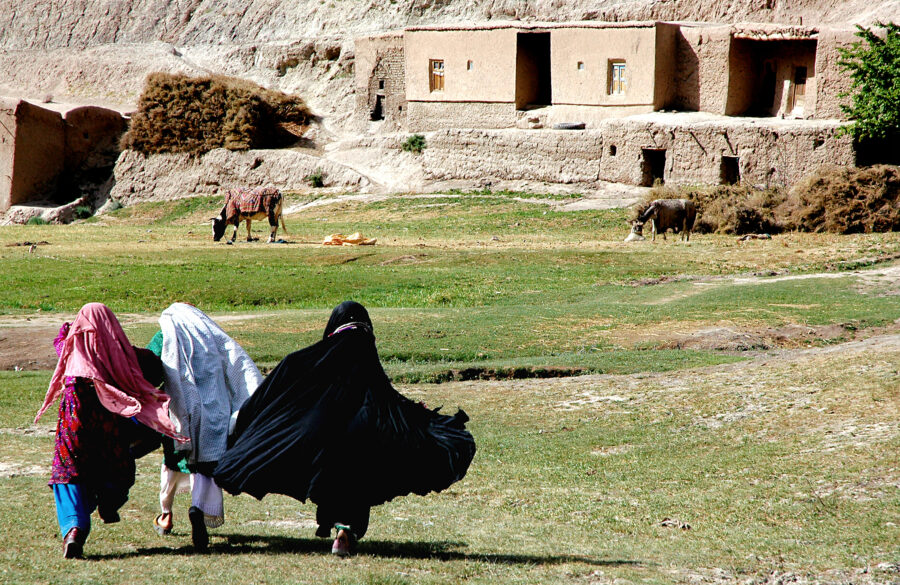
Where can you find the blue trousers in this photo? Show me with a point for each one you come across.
(73, 507)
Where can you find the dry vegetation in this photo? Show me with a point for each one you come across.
(832, 199)
(178, 113)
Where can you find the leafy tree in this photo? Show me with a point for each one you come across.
(874, 65)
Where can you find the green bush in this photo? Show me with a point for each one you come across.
(874, 66)
(315, 179)
(177, 113)
(414, 143)
(83, 212)
(37, 220)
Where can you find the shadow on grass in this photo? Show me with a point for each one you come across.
(242, 544)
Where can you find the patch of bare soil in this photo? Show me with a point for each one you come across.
(10, 470)
(28, 348)
(886, 572)
(789, 336)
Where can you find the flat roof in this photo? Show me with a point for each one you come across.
(743, 30)
(773, 32)
(507, 24)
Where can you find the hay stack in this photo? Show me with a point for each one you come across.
(177, 113)
(832, 199)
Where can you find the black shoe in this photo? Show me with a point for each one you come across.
(108, 517)
(199, 536)
(73, 544)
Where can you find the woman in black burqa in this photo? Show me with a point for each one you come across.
(327, 425)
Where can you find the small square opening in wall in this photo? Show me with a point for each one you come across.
(612, 150)
(380, 84)
(730, 171)
(580, 65)
(653, 166)
(470, 65)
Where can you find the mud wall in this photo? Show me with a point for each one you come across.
(49, 156)
(491, 54)
(164, 177)
(37, 152)
(773, 155)
(702, 70)
(7, 152)
(426, 116)
(582, 59)
(832, 80)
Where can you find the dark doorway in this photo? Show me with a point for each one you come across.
(533, 84)
(760, 71)
(378, 110)
(767, 90)
(653, 166)
(730, 171)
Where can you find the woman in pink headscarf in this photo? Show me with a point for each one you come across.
(100, 380)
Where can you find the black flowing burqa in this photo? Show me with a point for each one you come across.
(327, 425)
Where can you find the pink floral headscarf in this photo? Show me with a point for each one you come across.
(97, 348)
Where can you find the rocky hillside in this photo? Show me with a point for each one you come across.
(75, 24)
(100, 50)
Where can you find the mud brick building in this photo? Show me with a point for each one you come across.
(670, 101)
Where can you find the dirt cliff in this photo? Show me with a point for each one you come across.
(101, 50)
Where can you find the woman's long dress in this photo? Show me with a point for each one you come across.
(327, 425)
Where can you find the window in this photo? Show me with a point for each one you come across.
(580, 66)
(380, 84)
(470, 66)
(617, 80)
(436, 70)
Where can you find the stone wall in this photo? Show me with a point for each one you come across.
(779, 153)
(381, 80)
(427, 116)
(164, 177)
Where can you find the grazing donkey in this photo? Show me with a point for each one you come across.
(245, 204)
(677, 215)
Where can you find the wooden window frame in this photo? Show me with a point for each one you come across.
(618, 77)
(436, 75)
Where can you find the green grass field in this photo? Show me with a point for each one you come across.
(779, 452)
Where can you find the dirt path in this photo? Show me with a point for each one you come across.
(26, 342)
(606, 196)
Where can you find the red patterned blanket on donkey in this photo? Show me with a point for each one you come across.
(251, 201)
